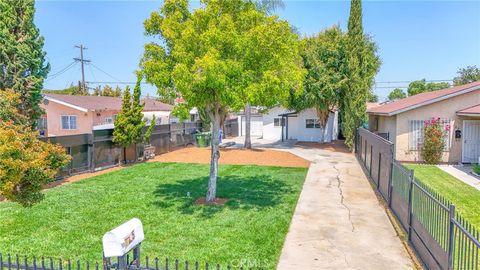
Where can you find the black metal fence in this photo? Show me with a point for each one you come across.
(8, 262)
(441, 237)
(91, 152)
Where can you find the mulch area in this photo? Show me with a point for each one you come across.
(261, 157)
(335, 146)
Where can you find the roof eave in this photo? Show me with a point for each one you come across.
(465, 91)
(66, 104)
(468, 114)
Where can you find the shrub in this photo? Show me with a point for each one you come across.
(26, 163)
(433, 143)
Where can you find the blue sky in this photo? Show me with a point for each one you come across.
(416, 39)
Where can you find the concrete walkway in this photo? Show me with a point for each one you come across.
(338, 222)
(461, 175)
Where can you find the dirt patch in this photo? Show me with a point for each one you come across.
(335, 146)
(262, 157)
(217, 201)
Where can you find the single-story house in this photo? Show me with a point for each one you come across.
(72, 115)
(279, 123)
(458, 107)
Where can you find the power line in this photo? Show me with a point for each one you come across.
(53, 76)
(108, 74)
(114, 82)
(449, 80)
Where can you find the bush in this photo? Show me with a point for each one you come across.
(476, 168)
(26, 163)
(433, 143)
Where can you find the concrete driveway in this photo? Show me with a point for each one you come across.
(338, 222)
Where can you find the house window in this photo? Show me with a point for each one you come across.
(69, 122)
(277, 122)
(416, 134)
(42, 126)
(108, 120)
(42, 123)
(312, 123)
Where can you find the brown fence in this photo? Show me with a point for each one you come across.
(441, 238)
(97, 151)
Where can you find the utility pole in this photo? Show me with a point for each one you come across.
(82, 61)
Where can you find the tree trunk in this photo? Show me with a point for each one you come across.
(323, 120)
(212, 182)
(248, 116)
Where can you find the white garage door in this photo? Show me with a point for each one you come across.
(471, 141)
(256, 126)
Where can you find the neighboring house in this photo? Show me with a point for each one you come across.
(458, 108)
(72, 115)
(279, 123)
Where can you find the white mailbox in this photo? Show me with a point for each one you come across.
(122, 239)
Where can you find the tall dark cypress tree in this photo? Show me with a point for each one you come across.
(22, 59)
(361, 68)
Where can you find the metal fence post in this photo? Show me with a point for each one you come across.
(390, 175)
(451, 238)
(410, 203)
(371, 160)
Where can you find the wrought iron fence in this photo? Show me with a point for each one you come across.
(440, 236)
(15, 262)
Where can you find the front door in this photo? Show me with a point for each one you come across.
(471, 141)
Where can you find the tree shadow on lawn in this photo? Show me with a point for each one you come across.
(243, 192)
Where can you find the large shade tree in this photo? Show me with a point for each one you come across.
(397, 93)
(324, 58)
(467, 75)
(22, 59)
(422, 86)
(219, 56)
(362, 64)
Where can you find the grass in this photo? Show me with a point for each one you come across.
(476, 168)
(465, 197)
(71, 220)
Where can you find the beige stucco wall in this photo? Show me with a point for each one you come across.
(443, 109)
(383, 124)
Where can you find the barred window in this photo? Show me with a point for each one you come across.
(416, 134)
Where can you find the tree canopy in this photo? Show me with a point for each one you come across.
(397, 93)
(22, 59)
(362, 64)
(220, 56)
(467, 75)
(129, 123)
(422, 86)
(324, 59)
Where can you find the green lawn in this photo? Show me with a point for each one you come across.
(465, 197)
(72, 219)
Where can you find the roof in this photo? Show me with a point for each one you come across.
(371, 105)
(474, 110)
(100, 103)
(423, 99)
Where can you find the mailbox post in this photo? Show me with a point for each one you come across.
(120, 241)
